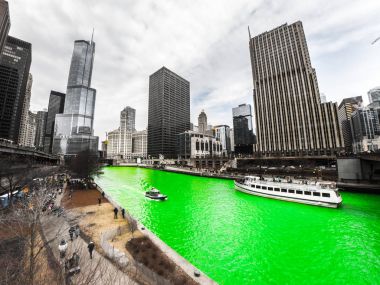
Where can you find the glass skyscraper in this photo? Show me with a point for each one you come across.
(73, 130)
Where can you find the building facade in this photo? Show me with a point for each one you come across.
(127, 119)
(56, 105)
(243, 129)
(73, 130)
(374, 95)
(202, 122)
(41, 119)
(30, 133)
(222, 134)
(5, 24)
(366, 130)
(25, 112)
(346, 108)
(169, 112)
(290, 118)
(191, 144)
(14, 71)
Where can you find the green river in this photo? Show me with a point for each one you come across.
(237, 238)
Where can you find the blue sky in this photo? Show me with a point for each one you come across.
(204, 41)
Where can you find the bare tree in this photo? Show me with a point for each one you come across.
(132, 224)
(84, 165)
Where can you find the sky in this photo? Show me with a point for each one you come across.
(204, 41)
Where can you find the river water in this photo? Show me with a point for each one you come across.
(237, 238)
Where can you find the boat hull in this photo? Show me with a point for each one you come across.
(160, 198)
(248, 190)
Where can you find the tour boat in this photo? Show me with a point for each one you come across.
(154, 194)
(323, 194)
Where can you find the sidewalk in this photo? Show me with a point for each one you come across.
(97, 270)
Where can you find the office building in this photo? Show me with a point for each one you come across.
(366, 130)
(14, 71)
(192, 144)
(41, 119)
(73, 130)
(345, 110)
(5, 24)
(30, 132)
(243, 130)
(290, 118)
(169, 112)
(374, 95)
(56, 105)
(232, 139)
(202, 122)
(222, 134)
(25, 112)
(127, 119)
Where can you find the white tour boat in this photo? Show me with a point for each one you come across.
(323, 194)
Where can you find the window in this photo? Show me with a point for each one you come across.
(307, 193)
(264, 187)
(258, 186)
(270, 188)
(327, 195)
(299, 192)
(284, 190)
(316, 194)
(277, 189)
(291, 191)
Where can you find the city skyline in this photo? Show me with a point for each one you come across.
(340, 52)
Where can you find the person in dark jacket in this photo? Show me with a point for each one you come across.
(103, 194)
(115, 212)
(100, 201)
(90, 247)
(71, 233)
(123, 213)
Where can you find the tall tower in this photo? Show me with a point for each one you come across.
(73, 131)
(127, 119)
(25, 112)
(291, 120)
(5, 24)
(41, 118)
(56, 104)
(14, 71)
(169, 111)
(202, 122)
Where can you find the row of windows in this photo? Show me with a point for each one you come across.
(292, 191)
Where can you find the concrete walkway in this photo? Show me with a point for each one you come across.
(97, 270)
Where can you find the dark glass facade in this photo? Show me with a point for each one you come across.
(14, 70)
(169, 111)
(40, 129)
(243, 132)
(56, 104)
(5, 24)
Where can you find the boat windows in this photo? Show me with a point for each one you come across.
(257, 186)
(284, 190)
(316, 194)
(299, 192)
(291, 191)
(264, 187)
(307, 193)
(327, 195)
(270, 188)
(277, 189)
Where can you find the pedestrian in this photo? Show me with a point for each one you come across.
(90, 247)
(115, 213)
(99, 201)
(123, 213)
(103, 194)
(62, 247)
(71, 233)
(77, 231)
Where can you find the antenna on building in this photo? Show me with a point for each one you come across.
(92, 36)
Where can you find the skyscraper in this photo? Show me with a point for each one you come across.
(222, 134)
(30, 132)
(14, 70)
(169, 111)
(5, 24)
(346, 108)
(243, 130)
(22, 138)
(202, 122)
(73, 130)
(40, 129)
(374, 95)
(290, 119)
(127, 119)
(56, 104)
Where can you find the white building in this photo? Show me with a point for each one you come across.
(222, 133)
(30, 130)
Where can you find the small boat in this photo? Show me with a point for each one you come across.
(324, 194)
(154, 194)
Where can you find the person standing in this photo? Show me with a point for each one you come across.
(90, 247)
(99, 201)
(103, 194)
(77, 231)
(71, 233)
(115, 212)
(62, 247)
(123, 213)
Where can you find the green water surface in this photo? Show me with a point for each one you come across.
(237, 238)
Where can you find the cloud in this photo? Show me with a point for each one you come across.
(205, 42)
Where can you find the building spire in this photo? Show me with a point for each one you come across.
(249, 34)
(92, 36)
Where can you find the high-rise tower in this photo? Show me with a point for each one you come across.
(5, 23)
(127, 119)
(56, 104)
(73, 131)
(202, 122)
(169, 111)
(290, 118)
